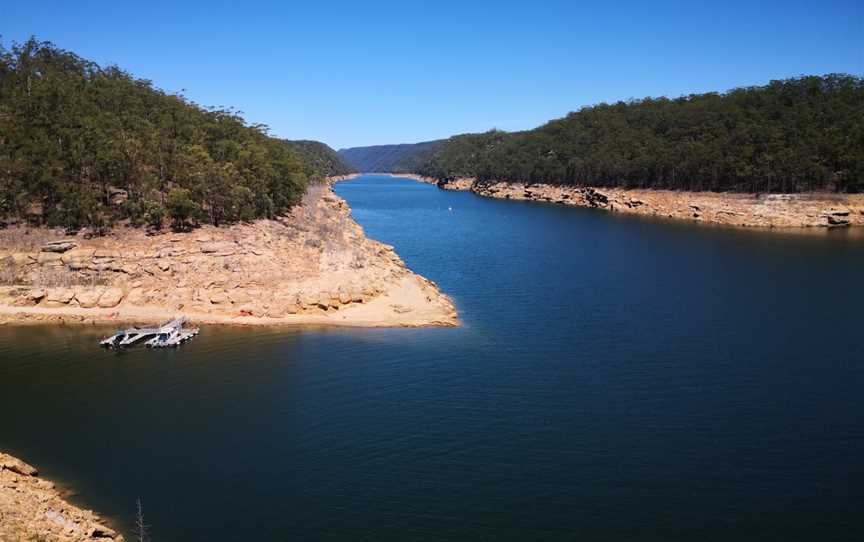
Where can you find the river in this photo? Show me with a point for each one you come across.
(614, 378)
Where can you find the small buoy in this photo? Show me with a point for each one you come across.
(449, 208)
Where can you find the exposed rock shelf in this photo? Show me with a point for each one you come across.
(32, 509)
(765, 210)
(314, 266)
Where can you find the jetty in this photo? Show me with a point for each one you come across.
(171, 333)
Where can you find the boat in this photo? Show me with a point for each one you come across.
(171, 338)
(135, 334)
(160, 339)
(171, 333)
(114, 340)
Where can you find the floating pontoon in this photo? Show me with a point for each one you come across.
(170, 333)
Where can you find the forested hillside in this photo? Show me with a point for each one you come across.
(84, 145)
(319, 160)
(791, 135)
(389, 158)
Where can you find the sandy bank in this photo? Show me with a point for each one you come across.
(314, 266)
(765, 211)
(32, 509)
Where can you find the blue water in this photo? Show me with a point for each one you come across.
(615, 378)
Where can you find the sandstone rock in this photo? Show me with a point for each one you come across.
(7, 462)
(837, 218)
(36, 294)
(22, 258)
(136, 296)
(200, 296)
(77, 255)
(155, 295)
(50, 258)
(594, 198)
(219, 248)
(58, 297)
(45, 484)
(32, 509)
(260, 275)
(170, 252)
(308, 299)
(88, 298)
(276, 311)
(218, 297)
(59, 246)
(239, 297)
(111, 297)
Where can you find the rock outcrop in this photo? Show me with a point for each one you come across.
(733, 209)
(312, 266)
(33, 509)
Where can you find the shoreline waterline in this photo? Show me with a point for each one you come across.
(314, 267)
(768, 212)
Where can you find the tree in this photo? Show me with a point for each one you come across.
(181, 208)
(142, 530)
(791, 135)
(154, 215)
(72, 133)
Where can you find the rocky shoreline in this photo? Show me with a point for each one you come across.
(313, 266)
(732, 209)
(33, 509)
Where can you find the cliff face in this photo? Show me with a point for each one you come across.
(312, 266)
(32, 509)
(732, 209)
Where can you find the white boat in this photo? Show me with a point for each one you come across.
(170, 333)
(114, 340)
(134, 335)
(171, 337)
(160, 339)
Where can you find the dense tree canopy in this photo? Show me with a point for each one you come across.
(791, 135)
(82, 145)
(319, 160)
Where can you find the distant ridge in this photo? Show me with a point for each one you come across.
(389, 158)
(319, 159)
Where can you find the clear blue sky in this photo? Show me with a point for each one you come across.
(363, 73)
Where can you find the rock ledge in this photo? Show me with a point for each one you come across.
(32, 509)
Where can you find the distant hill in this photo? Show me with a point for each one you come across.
(389, 158)
(319, 159)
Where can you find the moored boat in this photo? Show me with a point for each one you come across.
(171, 333)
